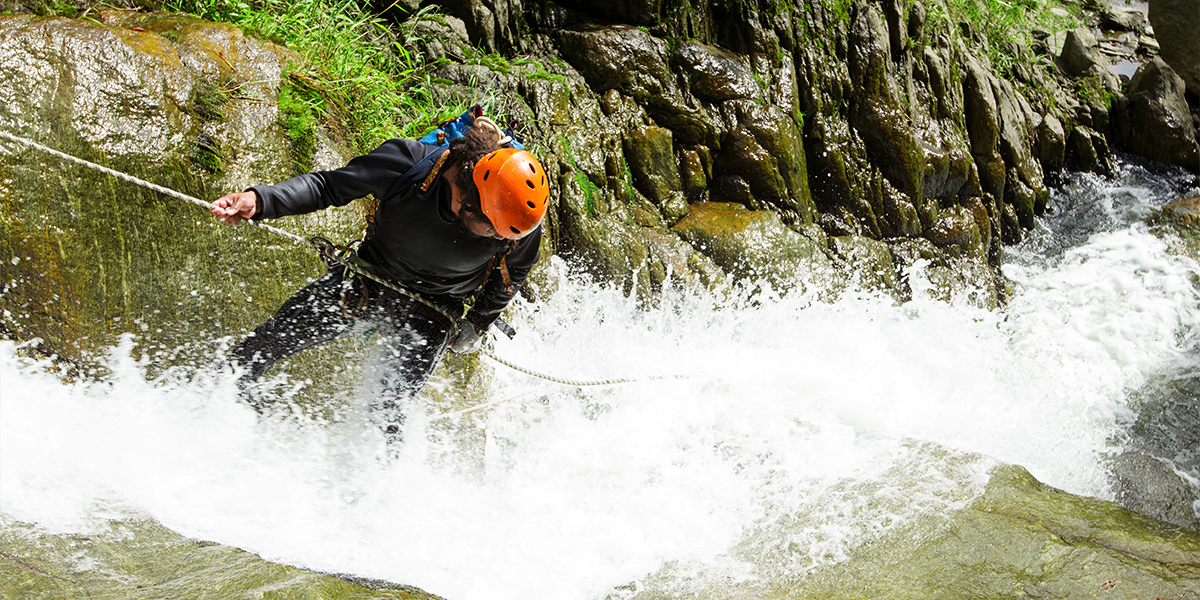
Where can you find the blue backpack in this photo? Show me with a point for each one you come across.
(455, 128)
(427, 168)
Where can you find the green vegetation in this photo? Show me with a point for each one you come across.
(763, 88)
(369, 77)
(627, 181)
(206, 155)
(301, 104)
(1004, 27)
(207, 100)
(840, 8)
(581, 179)
(1093, 93)
(521, 65)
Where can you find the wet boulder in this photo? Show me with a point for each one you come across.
(1019, 539)
(754, 245)
(1178, 223)
(1025, 538)
(1052, 144)
(140, 559)
(633, 62)
(441, 38)
(649, 153)
(763, 147)
(877, 114)
(492, 24)
(1081, 57)
(1122, 18)
(1018, 141)
(982, 110)
(1153, 119)
(636, 12)
(869, 262)
(1175, 25)
(962, 230)
(716, 75)
(1088, 150)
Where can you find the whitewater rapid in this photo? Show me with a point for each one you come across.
(803, 429)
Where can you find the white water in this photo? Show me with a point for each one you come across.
(805, 430)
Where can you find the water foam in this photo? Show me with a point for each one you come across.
(804, 430)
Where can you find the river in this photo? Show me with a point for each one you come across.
(799, 431)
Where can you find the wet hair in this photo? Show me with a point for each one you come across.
(465, 151)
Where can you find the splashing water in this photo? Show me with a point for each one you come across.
(805, 429)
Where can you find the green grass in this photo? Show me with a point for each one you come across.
(590, 190)
(368, 76)
(1092, 91)
(1004, 27)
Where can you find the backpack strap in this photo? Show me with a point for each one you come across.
(499, 263)
(425, 171)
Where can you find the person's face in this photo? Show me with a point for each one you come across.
(479, 225)
(474, 222)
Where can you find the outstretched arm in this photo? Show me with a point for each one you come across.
(371, 173)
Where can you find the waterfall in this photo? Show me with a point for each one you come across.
(803, 429)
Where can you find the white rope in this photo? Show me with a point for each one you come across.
(571, 382)
(209, 206)
(146, 184)
(300, 240)
(576, 382)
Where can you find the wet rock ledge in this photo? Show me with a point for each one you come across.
(1020, 539)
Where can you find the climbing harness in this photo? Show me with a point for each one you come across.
(334, 255)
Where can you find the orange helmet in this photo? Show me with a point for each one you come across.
(513, 192)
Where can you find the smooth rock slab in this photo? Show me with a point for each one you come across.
(142, 560)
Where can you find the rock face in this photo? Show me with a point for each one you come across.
(1153, 119)
(1175, 25)
(1081, 57)
(871, 120)
(753, 245)
(172, 100)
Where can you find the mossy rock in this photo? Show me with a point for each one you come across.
(1020, 539)
(91, 256)
(1179, 223)
(142, 560)
(754, 245)
(1023, 538)
(869, 261)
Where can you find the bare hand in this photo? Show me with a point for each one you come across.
(233, 208)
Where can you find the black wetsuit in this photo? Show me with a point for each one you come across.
(414, 241)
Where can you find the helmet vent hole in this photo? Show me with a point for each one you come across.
(532, 169)
(530, 184)
(515, 230)
(531, 205)
(486, 173)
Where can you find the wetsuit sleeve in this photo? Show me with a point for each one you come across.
(371, 173)
(495, 295)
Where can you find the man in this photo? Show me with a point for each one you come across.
(454, 226)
